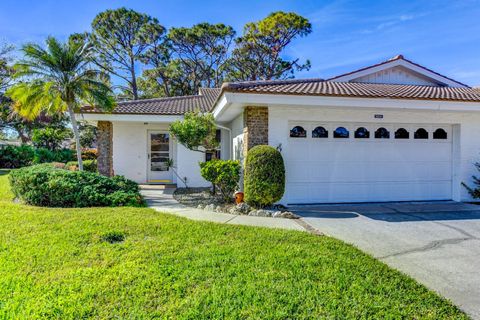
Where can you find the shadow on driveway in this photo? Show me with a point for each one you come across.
(393, 212)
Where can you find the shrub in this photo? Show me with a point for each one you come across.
(88, 165)
(224, 174)
(89, 154)
(16, 156)
(46, 185)
(13, 157)
(264, 180)
(43, 155)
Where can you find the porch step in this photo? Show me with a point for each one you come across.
(157, 186)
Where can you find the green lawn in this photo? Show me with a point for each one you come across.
(55, 263)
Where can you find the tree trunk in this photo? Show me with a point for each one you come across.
(134, 79)
(73, 120)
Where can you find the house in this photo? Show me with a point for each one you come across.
(394, 131)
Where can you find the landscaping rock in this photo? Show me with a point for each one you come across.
(210, 207)
(285, 214)
(240, 209)
(261, 213)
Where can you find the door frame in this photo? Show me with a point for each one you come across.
(148, 156)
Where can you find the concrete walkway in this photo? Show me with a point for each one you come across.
(161, 199)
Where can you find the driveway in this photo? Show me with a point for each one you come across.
(437, 243)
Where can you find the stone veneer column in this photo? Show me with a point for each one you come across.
(105, 148)
(255, 127)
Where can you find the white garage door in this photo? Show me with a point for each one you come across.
(348, 162)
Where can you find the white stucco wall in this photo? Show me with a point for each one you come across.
(130, 154)
(466, 130)
(188, 166)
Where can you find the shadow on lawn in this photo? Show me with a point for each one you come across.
(4, 171)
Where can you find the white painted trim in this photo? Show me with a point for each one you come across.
(128, 117)
(405, 64)
(220, 105)
(239, 100)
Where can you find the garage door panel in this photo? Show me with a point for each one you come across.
(365, 192)
(354, 170)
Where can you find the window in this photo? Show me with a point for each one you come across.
(402, 133)
(440, 134)
(421, 134)
(320, 132)
(382, 133)
(362, 133)
(210, 155)
(298, 132)
(341, 132)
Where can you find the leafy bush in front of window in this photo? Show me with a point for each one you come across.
(12, 157)
(264, 177)
(224, 174)
(88, 165)
(48, 186)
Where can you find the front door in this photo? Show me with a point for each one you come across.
(159, 153)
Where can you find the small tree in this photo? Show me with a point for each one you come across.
(197, 132)
(474, 192)
(50, 138)
(223, 174)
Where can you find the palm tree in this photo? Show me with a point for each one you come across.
(57, 79)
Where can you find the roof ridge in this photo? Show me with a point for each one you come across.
(395, 84)
(240, 84)
(161, 99)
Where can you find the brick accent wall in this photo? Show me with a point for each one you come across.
(255, 127)
(105, 148)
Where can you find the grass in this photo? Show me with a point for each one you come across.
(136, 263)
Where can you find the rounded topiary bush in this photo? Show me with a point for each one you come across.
(264, 177)
(50, 186)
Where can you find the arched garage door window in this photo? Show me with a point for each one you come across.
(341, 132)
(421, 134)
(362, 133)
(402, 133)
(382, 133)
(298, 132)
(440, 134)
(320, 132)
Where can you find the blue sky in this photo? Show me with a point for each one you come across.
(442, 35)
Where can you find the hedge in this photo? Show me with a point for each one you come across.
(12, 157)
(49, 186)
(264, 177)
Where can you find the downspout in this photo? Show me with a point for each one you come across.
(230, 153)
